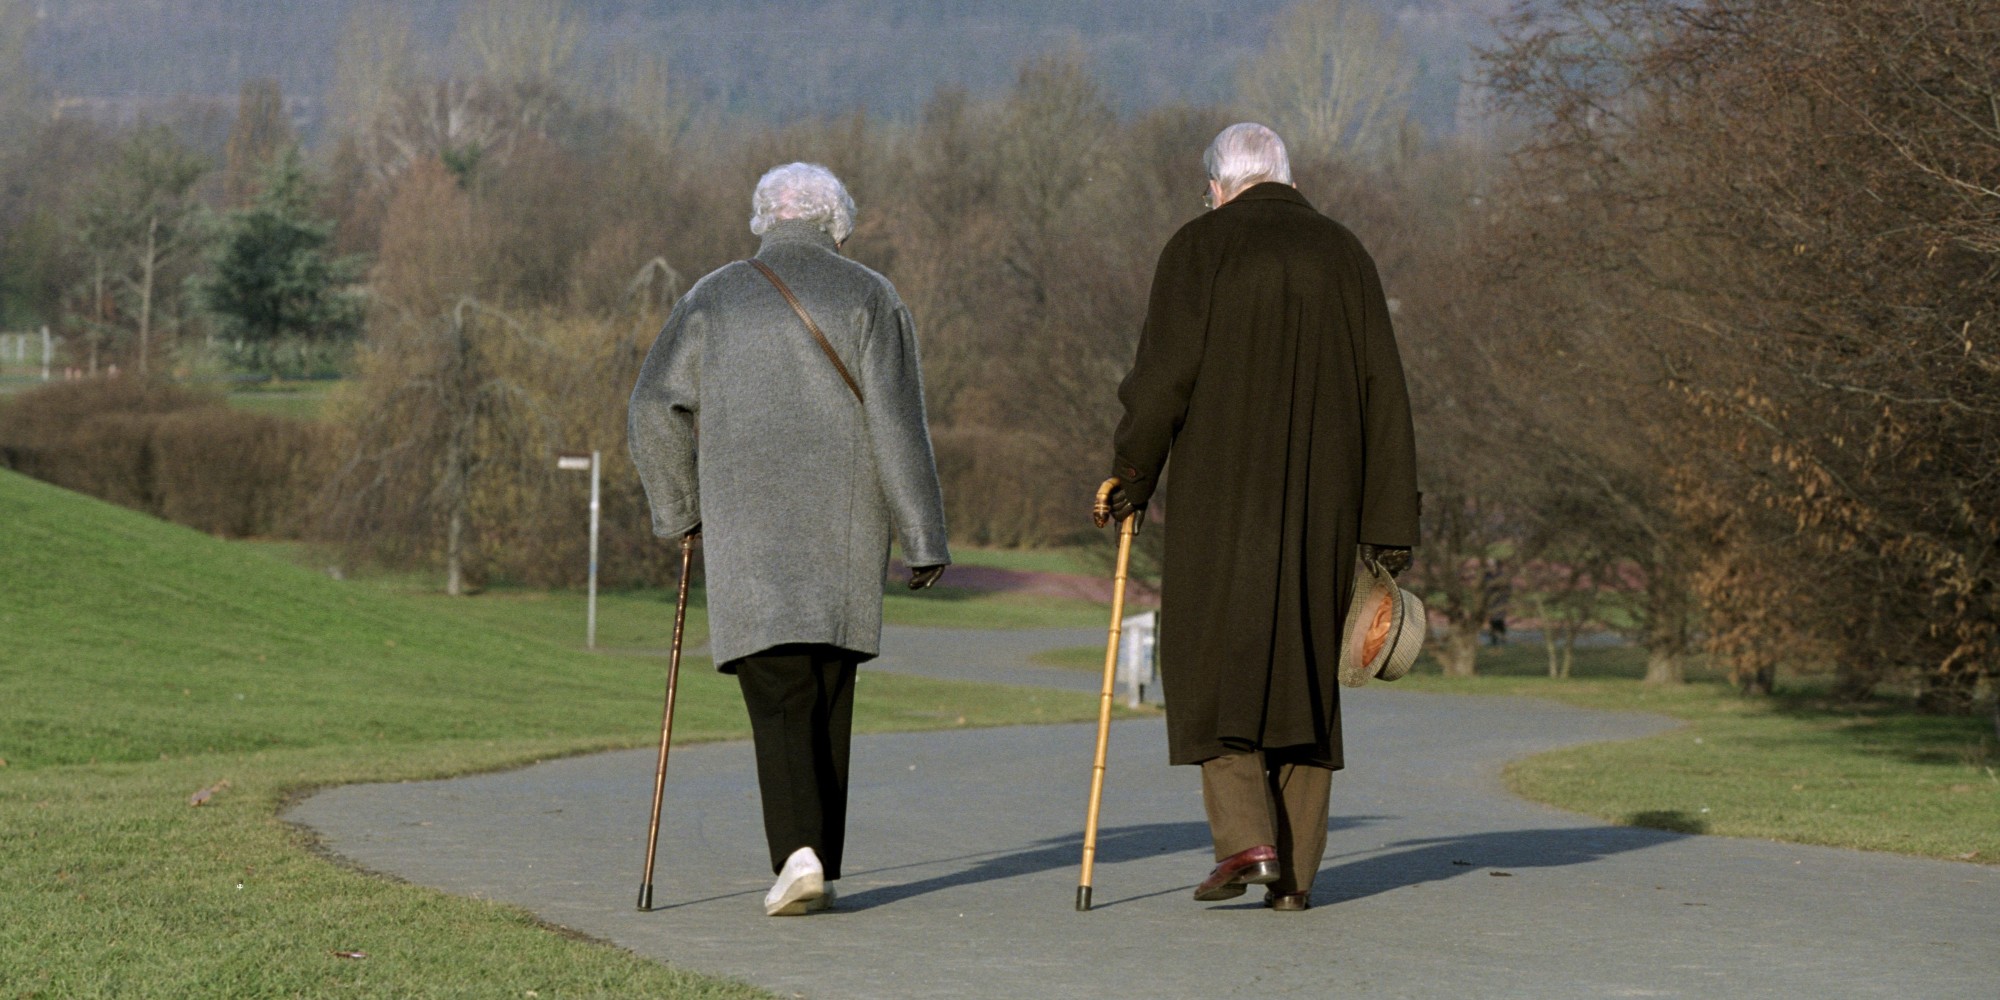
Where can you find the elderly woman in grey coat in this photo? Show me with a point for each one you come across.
(799, 367)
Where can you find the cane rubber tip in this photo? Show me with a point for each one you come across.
(646, 900)
(1083, 899)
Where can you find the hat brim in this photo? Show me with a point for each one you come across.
(1395, 642)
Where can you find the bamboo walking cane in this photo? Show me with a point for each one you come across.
(667, 723)
(1126, 529)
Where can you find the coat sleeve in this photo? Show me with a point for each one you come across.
(1389, 499)
(892, 390)
(660, 423)
(1156, 391)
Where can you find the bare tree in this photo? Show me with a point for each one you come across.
(1331, 81)
(1829, 353)
(138, 223)
(436, 405)
(262, 131)
(21, 103)
(374, 64)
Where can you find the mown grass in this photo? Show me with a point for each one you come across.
(1073, 657)
(1068, 559)
(642, 619)
(143, 662)
(302, 405)
(1797, 766)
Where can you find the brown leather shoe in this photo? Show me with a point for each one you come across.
(1288, 901)
(1256, 866)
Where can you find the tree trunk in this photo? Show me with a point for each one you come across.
(457, 484)
(1761, 681)
(1948, 692)
(149, 265)
(97, 332)
(1665, 666)
(454, 552)
(1668, 629)
(1460, 654)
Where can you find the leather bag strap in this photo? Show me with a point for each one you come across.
(824, 345)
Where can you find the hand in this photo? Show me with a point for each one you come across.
(692, 533)
(1394, 559)
(1113, 505)
(922, 577)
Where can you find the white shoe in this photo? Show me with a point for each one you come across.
(801, 887)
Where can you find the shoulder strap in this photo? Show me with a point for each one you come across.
(852, 386)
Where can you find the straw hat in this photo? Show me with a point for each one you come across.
(1385, 628)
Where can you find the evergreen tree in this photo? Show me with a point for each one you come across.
(274, 291)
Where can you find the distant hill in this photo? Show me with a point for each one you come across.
(779, 59)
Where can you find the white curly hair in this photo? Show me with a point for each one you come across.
(1244, 154)
(804, 191)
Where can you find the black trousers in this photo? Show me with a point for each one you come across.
(801, 702)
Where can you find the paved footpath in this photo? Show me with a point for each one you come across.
(963, 851)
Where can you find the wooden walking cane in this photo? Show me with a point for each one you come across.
(1126, 529)
(667, 722)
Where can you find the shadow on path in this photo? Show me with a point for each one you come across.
(1407, 863)
(1415, 862)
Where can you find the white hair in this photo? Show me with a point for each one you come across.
(804, 191)
(1244, 154)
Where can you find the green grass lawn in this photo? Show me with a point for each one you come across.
(1796, 766)
(299, 400)
(1076, 657)
(1068, 559)
(143, 662)
(642, 619)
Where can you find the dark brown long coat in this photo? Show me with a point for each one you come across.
(1268, 368)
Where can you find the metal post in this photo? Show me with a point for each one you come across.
(48, 353)
(596, 465)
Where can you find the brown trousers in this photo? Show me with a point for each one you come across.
(1262, 798)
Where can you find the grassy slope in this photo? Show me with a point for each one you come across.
(1794, 767)
(140, 662)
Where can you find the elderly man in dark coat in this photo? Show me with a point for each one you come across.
(800, 369)
(1268, 368)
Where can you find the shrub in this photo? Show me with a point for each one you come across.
(168, 451)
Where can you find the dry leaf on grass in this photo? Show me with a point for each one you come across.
(350, 954)
(210, 792)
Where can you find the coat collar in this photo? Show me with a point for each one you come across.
(794, 232)
(1271, 191)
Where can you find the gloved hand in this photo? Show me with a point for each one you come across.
(1113, 505)
(922, 577)
(1393, 558)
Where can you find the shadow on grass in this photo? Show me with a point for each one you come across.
(1892, 726)
(1671, 820)
(1526, 657)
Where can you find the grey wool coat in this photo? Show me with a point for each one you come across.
(795, 484)
(1268, 368)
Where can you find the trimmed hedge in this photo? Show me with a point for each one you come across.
(182, 455)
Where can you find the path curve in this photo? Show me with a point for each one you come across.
(963, 857)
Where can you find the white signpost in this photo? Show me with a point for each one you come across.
(578, 461)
